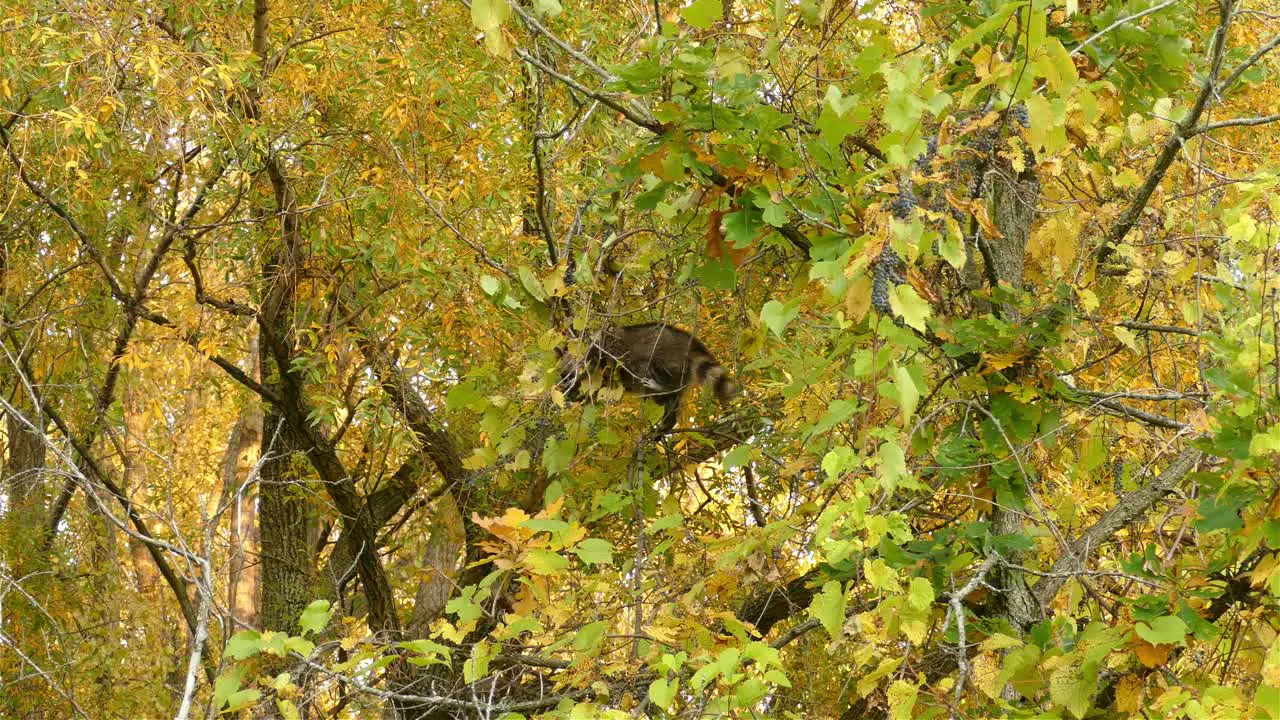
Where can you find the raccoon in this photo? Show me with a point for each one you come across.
(653, 360)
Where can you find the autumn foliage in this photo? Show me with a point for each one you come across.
(287, 287)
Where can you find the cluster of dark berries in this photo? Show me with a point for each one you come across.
(902, 205)
(885, 270)
(1019, 113)
(927, 156)
(985, 140)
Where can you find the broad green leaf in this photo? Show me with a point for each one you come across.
(594, 551)
(662, 692)
(997, 19)
(545, 562)
(893, 465)
(920, 594)
(589, 636)
(777, 316)
(908, 393)
(739, 456)
(315, 617)
(951, 247)
(841, 115)
(531, 283)
(902, 697)
(488, 15)
(547, 8)
(838, 461)
(664, 523)
(1264, 443)
(914, 310)
(243, 644)
(742, 226)
(427, 652)
(1166, 630)
(828, 607)
(227, 685)
(702, 14)
(1071, 687)
(558, 454)
(545, 525)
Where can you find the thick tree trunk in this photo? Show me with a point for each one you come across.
(243, 449)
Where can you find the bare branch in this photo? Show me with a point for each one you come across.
(1169, 152)
(1146, 417)
(1125, 511)
(1236, 122)
(1248, 63)
(605, 99)
(1127, 19)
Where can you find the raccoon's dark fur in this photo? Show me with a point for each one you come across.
(654, 360)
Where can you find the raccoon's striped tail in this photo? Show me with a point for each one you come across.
(711, 374)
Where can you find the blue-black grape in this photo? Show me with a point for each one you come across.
(902, 205)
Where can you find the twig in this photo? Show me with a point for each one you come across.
(1235, 122)
(1171, 147)
(1089, 40)
(956, 611)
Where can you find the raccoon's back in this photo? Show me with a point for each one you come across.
(660, 356)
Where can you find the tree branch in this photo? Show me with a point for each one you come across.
(1168, 153)
(1125, 511)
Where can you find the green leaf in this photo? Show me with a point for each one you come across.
(740, 456)
(742, 226)
(702, 14)
(828, 607)
(299, 645)
(427, 652)
(662, 693)
(1071, 687)
(902, 697)
(243, 644)
(545, 525)
(1264, 443)
(777, 316)
(315, 617)
(914, 310)
(951, 247)
(838, 461)
(920, 595)
(488, 15)
(227, 685)
(996, 20)
(1166, 630)
(841, 116)
(530, 281)
(663, 523)
(908, 393)
(547, 8)
(1219, 513)
(558, 454)
(589, 636)
(594, 551)
(490, 284)
(545, 562)
(893, 466)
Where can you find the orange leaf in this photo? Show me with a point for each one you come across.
(1151, 655)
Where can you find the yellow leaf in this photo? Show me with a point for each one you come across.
(857, 301)
(986, 674)
(1129, 694)
(1125, 336)
(999, 642)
